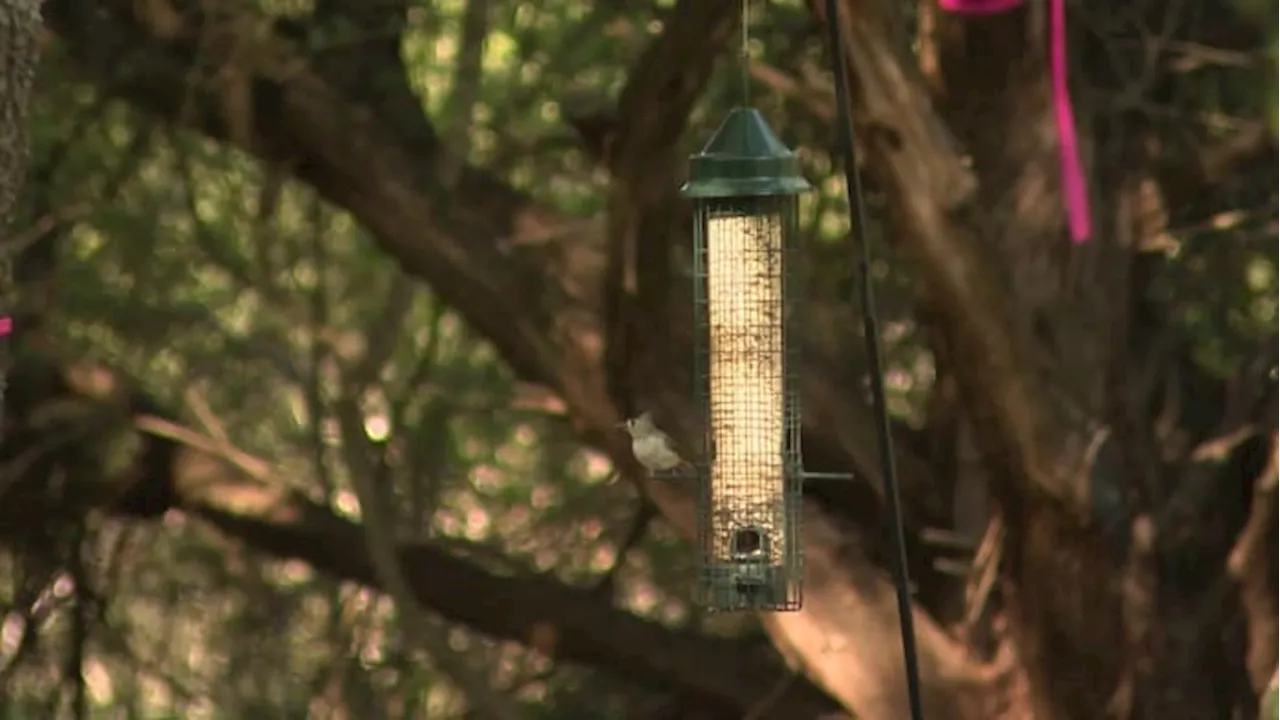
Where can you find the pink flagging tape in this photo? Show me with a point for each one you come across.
(6, 325)
(1075, 191)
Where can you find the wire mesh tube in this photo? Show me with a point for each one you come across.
(746, 366)
(745, 183)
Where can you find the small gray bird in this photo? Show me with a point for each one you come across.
(654, 449)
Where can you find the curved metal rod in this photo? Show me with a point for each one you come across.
(871, 329)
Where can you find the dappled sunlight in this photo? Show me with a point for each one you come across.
(328, 318)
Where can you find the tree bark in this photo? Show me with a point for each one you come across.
(1069, 433)
(20, 28)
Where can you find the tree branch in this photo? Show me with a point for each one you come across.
(299, 119)
(932, 191)
(1251, 565)
(240, 496)
(466, 83)
(371, 480)
(721, 674)
(498, 258)
(665, 82)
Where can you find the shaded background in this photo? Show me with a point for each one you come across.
(308, 289)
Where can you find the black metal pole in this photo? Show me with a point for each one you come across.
(871, 328)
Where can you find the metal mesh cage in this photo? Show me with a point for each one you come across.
(750, 499)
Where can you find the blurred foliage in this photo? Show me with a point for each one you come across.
(1222, 278)
(264, 316)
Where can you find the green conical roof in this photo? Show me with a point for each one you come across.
(744, 158)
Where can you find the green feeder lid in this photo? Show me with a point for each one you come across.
(744, 158)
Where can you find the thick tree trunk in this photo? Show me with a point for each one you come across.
(1121, 559)
(20, 28)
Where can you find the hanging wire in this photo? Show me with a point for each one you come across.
(745, 58)
(871, 329)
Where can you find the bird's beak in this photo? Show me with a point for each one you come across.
(621, 425)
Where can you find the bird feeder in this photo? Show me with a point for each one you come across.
(745, 184)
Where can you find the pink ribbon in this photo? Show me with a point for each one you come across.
(1075, 190)
(6, 325)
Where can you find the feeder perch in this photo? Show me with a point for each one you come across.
(744, 185)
